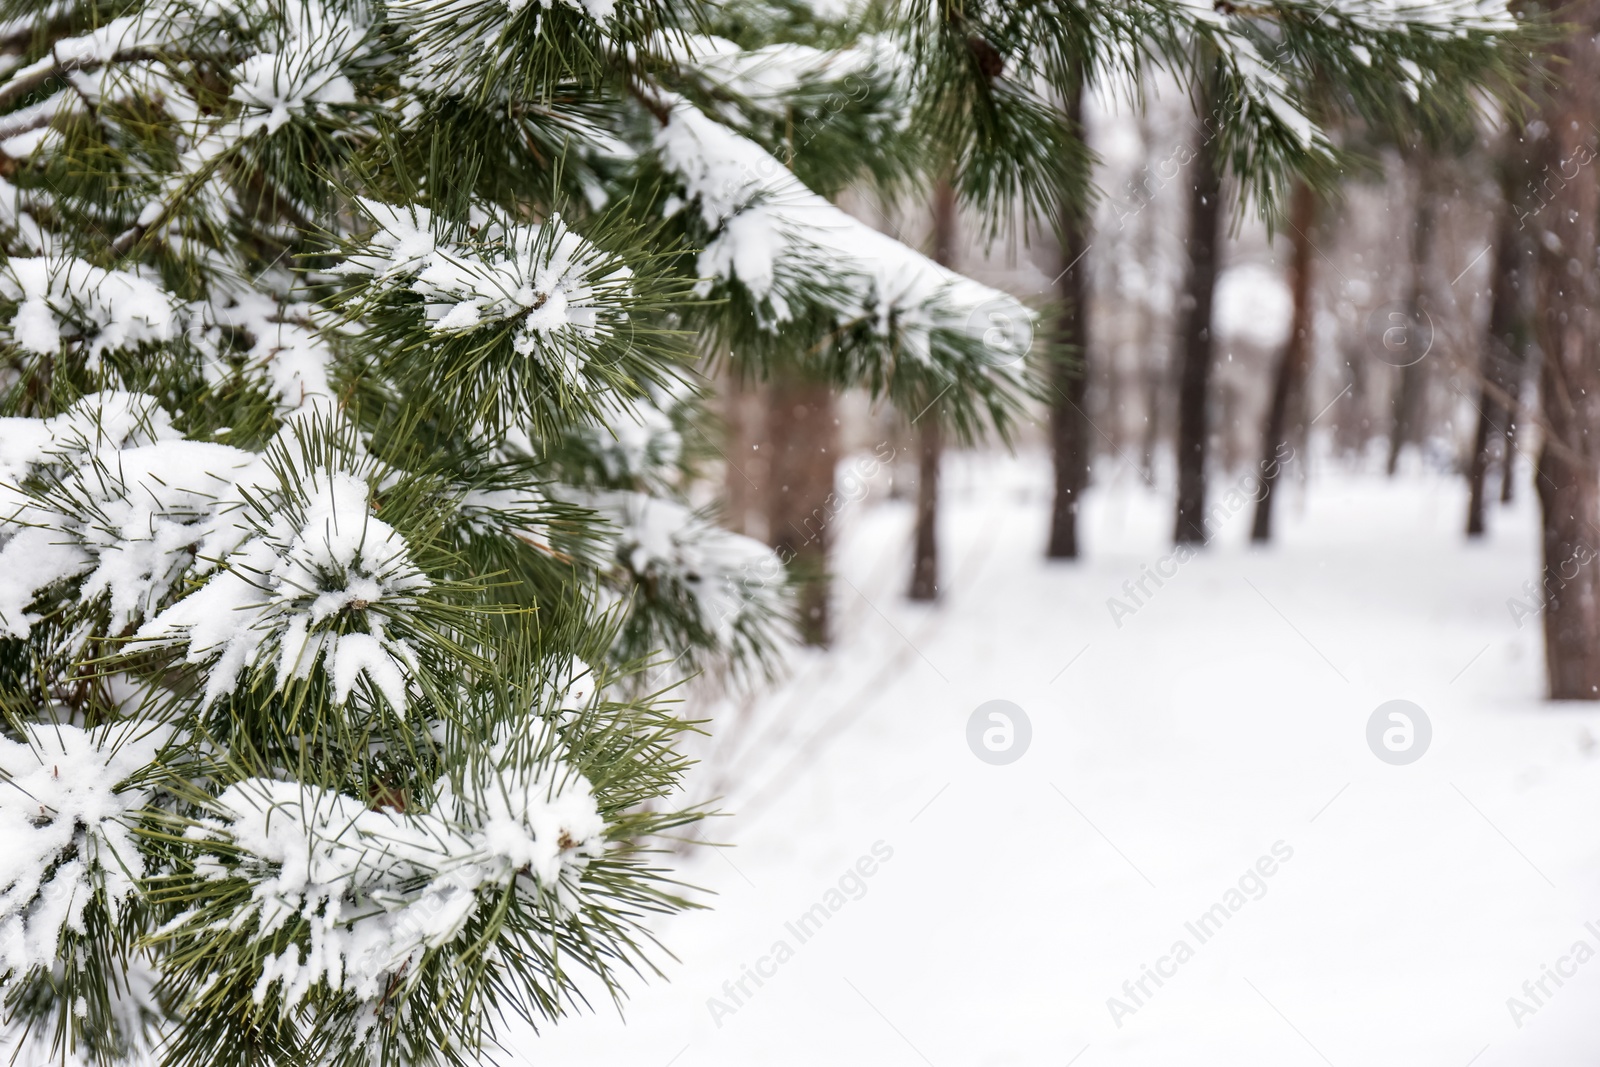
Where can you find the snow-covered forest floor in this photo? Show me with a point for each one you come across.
(1222, 723)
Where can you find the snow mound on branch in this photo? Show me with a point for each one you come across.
(768, 77)
(734, 580)
(288, 352)
(764, 220)
(65, 829)
(550, 278)
(303, 70)
(378, 888)
(67, 300)
(307, 572)
(71, 299)
(125, 500)
(322, 558)
(599, 10)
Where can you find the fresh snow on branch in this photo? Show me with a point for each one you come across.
(375, 888)
(66, 830)
(312, 560)
(562, 290)
(68, 298)
(765, 221)
(731, 583)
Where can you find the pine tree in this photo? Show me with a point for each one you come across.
(930, 444)
(1070, 449)
(351, 370)
(1285, 409)
(1564, 222)
(802, 447)
(1406, 401)
(1503, 341)
(1196, 338)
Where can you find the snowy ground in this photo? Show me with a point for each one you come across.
(1225, 717)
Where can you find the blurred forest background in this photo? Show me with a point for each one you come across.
(1394, 314)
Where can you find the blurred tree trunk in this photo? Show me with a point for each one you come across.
(1069, 375)
(930, 439)
(802, 433)
(1568, 327)
(1351, 424)
(1154, 330)
(1288, 387)
(925, 555)
(1195, 348)
(1516, 373)
(1501, 345)
(1408, 397)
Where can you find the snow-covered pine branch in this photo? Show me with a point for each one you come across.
(349, 416)
(881, 312)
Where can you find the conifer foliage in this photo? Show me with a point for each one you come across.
(350, 362)
(349, 372)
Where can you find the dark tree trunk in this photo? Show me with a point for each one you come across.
(802, 434)
(1408, 398)
(1352, 425)
(1069, 418)
(925, 563)
(1490, 416)
(1516, 371)
(930, 441)
(1568, 325)
(1286, 412)
(1500, 344)
(1508, 451)
(1195, 347)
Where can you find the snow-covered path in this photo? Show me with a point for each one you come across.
(1210, 750)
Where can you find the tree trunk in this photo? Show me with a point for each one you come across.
(1205, 220)
(1287, 409)
(1352, 426)
(1154, 336)
(1490, 415)
(925, 562)
(802, 434)
(1516, 371)
(1568, 325)
(930, 441)
(1508, 451)
(1567, 504)
(1069, 418)
(1499, 345)
(1408, 397)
